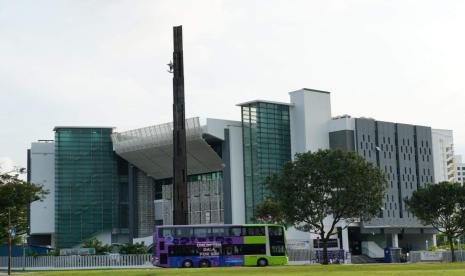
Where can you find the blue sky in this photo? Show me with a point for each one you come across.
(104, 62)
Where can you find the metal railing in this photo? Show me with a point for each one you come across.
(141, 260)
(77, 262)
(442, 256)
(316, 256)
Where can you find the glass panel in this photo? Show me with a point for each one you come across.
(201, 232)
(183, 232)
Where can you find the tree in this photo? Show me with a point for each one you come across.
(442, 206)
(137, 248)
(269, 211)
(15, 196)
(327, 185)
(100, 248)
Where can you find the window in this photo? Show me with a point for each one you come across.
(275, 231)
(165, 232)
(183, 250)
(218, 231)
(253, 249)
(163, 258)
(201, 232)
(253, 231)
(235, 232)
(278, 250)
(183, 232)
(231, 250)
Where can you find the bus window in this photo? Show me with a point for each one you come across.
(275, 231)
(165, 232)
(231, 250)
(183, 232)
(182, 250)
(253, 249)
(253, 231)
(217, 231)
(278, 250)
(235, 232)
(201, 232)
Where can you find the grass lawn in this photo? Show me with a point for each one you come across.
(332, 270)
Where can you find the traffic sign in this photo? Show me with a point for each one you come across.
(13, 232)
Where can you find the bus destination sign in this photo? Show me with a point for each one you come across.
(209, 248)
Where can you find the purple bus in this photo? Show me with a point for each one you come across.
(219, 245)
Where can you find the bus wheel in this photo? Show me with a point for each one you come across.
(204, 263)
(187, 264)
(262, 262)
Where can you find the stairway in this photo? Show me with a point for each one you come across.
(362, 259)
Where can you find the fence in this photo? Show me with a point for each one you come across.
(436, 256)
(78, 262)
(316, 256)
(138, 261)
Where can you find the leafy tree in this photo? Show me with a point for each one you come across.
(442, 206)
(100, 248)
(15, 196)
(269, 211)
(325, 186)
(137, 248)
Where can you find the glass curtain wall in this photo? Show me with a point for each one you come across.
(86, 179)
(267, 147)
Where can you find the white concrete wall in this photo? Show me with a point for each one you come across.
(237, 175)
(43, 173)
(216, 128)
(310, 115)
(343, 123)
(443, 145)
(460, 169)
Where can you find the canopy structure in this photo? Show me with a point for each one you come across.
(151, 149)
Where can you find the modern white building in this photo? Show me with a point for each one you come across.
(41, 157)
(443, 151)
(460, 169)
(228, 162)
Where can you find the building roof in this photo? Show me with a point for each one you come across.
(58, 127)
(311, 90)
(263, 101)
(151, 149)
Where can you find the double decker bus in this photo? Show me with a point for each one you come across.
(219, 245)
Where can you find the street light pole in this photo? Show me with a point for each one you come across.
(9, 241)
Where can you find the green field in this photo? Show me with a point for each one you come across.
(333, 270)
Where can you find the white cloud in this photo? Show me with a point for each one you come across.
(104, 62)
(6, 164)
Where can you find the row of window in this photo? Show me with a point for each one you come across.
(226, 250)
(202, 232)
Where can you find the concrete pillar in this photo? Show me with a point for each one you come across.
(434, 240)
(395, 240)
(345, 240)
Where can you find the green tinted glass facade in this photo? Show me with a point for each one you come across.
(267, 146)
(87, 184)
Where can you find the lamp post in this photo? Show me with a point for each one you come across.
(24, 251)
(459, 244)
(9, 241)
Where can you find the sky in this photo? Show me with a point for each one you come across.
(103, 63)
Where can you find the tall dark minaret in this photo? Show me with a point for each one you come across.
(179, 133)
